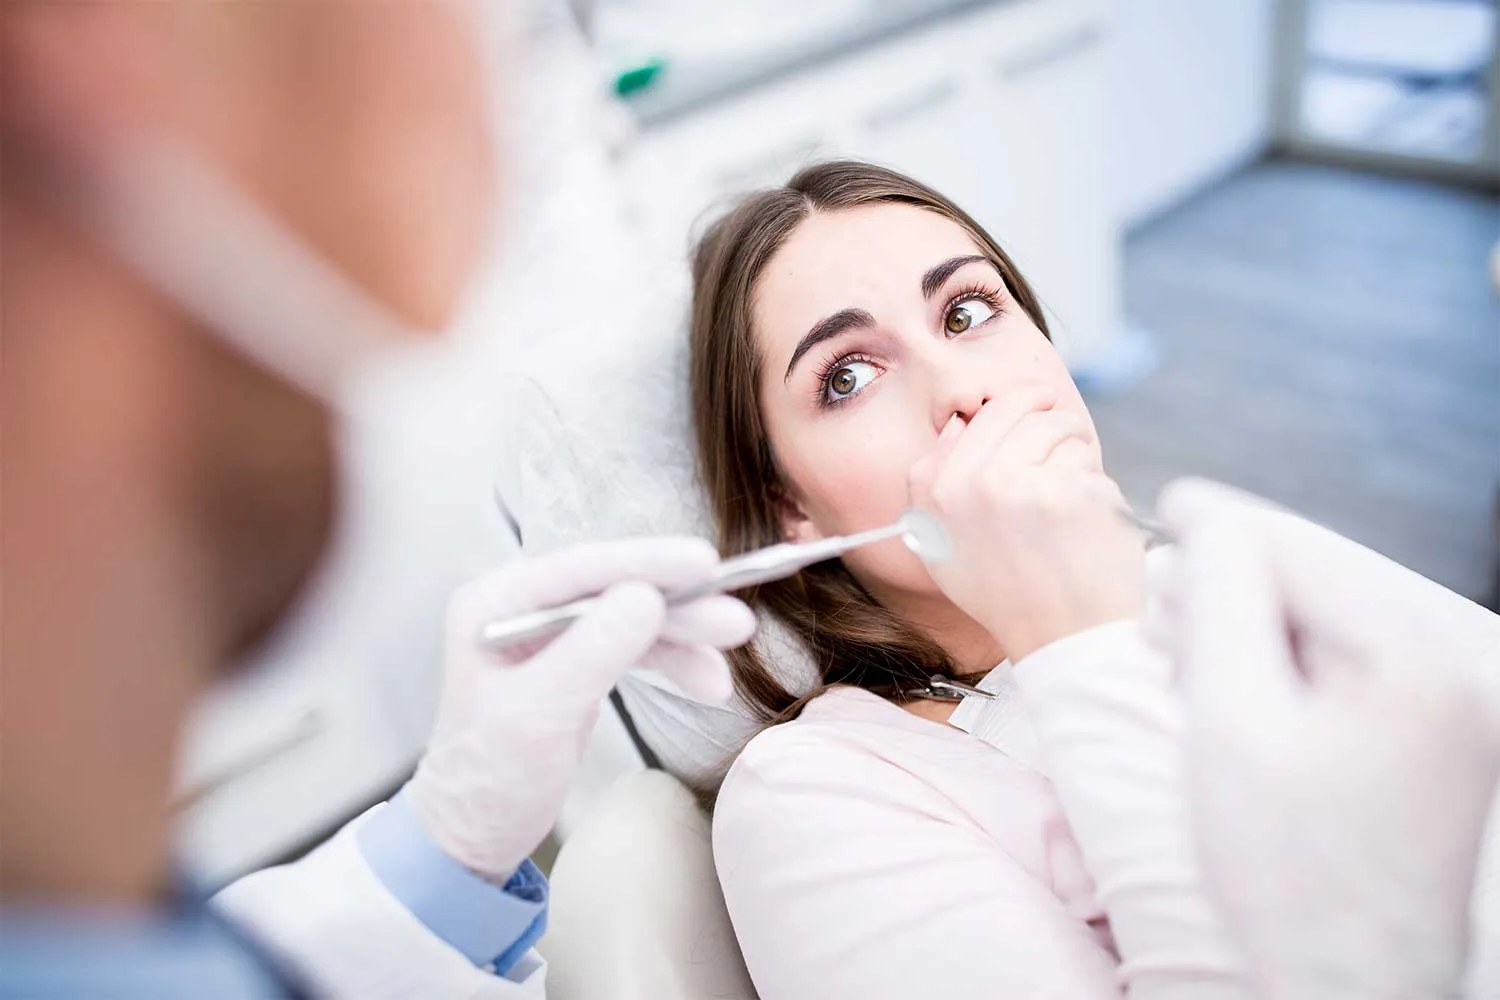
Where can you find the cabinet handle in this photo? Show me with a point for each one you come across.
(911, 105)
(1066, 47)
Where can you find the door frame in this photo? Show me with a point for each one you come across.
(1291, 63)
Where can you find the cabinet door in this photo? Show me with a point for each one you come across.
(1001, 110)
(1047, 116)
(278, 762)
(678, 173)
(1190, 97)
(1013, 134)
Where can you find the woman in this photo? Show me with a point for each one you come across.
(860, 344)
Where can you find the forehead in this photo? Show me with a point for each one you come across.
(863, 257)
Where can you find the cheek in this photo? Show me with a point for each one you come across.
(1043, 365)
(1031, 359)
(1068, 396)
(849, 469)
(867, 488)
(848, 481)
(850, 472)
(889, 568)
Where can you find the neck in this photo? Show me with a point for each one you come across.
(972, 649)
(107, 629)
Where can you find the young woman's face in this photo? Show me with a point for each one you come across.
(874, 326)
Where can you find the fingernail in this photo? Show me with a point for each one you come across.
(953, 426)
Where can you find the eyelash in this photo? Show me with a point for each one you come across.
(829, 368)
(983, 293)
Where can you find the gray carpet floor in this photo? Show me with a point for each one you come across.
(1330, 340)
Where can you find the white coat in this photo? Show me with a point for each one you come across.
(331, 923)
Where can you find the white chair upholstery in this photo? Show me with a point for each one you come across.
(636, 910)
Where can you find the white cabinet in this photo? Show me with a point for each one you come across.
(1001, 109)
(1017, 146)
(278, 760)
(1190, 96)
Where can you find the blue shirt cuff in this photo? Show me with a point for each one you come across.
(488, 924)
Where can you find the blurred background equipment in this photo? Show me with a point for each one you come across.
(1262, 227)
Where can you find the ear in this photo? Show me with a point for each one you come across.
(796, 526)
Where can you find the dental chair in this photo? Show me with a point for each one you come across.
(636, 912)
(598, 443)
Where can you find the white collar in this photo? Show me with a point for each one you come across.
(1001, 720)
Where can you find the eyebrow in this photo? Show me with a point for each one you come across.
(827, 329)
(933, 279)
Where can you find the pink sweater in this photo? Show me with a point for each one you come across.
(868, 853)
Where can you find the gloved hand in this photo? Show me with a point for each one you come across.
(512, 726)
(1343, 749)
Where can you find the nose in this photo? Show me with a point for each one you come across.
(963, 385)
(958, 388)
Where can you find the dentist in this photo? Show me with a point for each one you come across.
(220, 222)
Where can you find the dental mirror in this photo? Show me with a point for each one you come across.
(925, 536)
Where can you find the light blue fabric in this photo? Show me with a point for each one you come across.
(486, 923)
(54, 953)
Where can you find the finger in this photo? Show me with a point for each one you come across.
(581, 665)
(919, 480)
(1233, 655)
(1102, 498)
(1330, 587)
(976, 446)
(1339, 623)
(1109, 492)
(1076, 454)
(558, 577)
(950, 432)
(698, 672)
(1034, 437)
(720, 621)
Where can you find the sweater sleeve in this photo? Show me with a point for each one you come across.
(848, 878)
(1110, 728)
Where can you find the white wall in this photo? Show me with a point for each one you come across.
(1190, 91)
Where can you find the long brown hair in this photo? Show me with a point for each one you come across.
(851, 637)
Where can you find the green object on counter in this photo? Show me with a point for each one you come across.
(638, 78)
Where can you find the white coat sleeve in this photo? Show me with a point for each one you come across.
(849, 878)
(332, 923)
(1111, 730)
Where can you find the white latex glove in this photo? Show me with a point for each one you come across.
(1343, 750)
(512, 726)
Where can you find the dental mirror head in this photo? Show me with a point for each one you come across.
(925, 535)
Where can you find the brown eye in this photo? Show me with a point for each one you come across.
(848, 380)
(964, 316)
